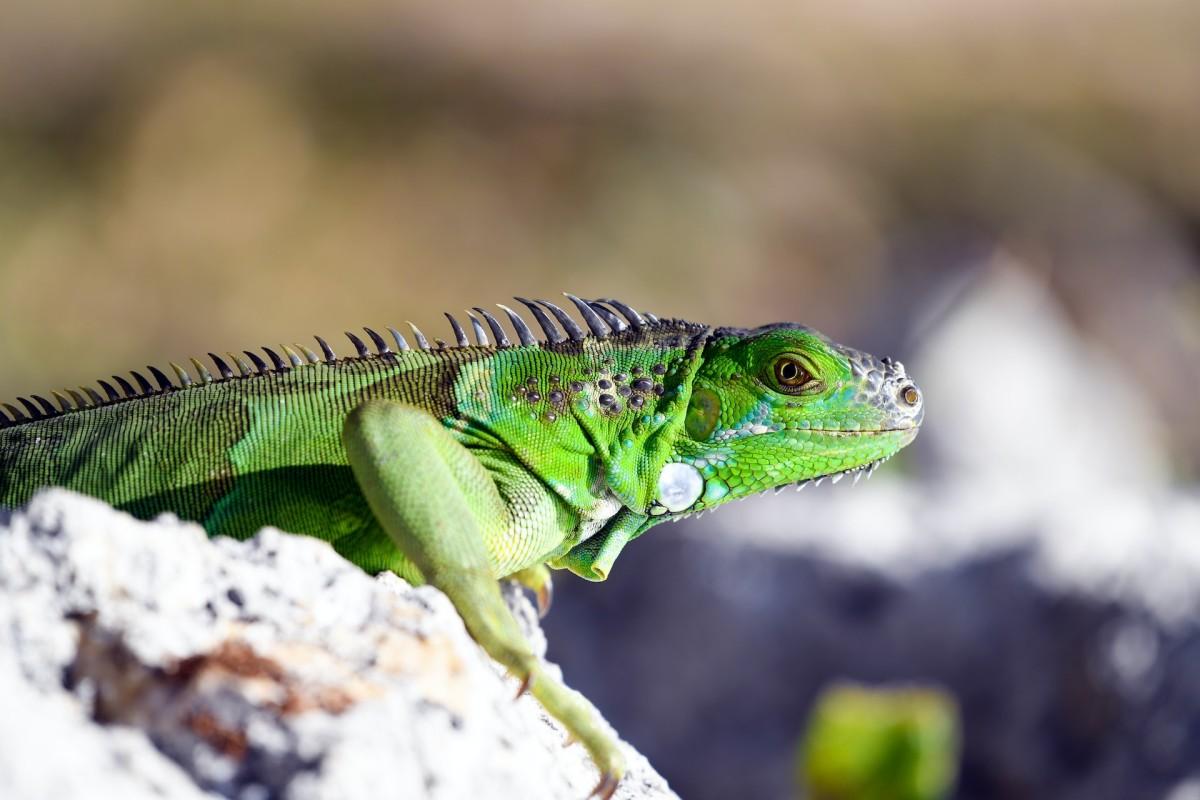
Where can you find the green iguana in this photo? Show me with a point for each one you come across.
(459, 464)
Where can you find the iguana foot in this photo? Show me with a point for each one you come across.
(579, 718)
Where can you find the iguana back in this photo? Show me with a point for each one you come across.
(260, 444)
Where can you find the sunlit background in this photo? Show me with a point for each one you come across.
(1004, 195)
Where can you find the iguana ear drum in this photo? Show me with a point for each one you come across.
(679, 486)
(703, 412)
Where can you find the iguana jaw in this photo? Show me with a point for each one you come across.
(817, 455)
(697, 484)
(899, 438)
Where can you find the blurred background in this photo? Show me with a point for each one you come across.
(1006, 196)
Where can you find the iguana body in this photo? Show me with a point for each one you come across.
(461, 464)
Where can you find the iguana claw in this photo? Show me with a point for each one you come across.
(526, 682)
(545, 595)
(605, 788)
(537, 579)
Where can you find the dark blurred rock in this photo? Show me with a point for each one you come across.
(708, 656)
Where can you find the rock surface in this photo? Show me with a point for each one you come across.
(141, 659)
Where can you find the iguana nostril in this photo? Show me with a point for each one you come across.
(910, 395)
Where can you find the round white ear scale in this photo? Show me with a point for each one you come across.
(679, 486)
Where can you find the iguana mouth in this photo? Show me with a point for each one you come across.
(726, 436)
(866, 470)
(839, 432)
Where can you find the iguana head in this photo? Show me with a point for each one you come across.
(783, 404)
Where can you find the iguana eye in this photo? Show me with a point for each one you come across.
(791, 374)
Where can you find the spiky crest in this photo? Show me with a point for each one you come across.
(604, 318)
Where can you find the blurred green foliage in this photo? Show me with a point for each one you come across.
(880, 744)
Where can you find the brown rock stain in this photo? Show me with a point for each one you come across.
(433, 661)
(238, 660)
(227, 741)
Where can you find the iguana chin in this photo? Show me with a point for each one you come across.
(459, 464)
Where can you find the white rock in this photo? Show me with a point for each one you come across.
(1019, 402)
(142, 660)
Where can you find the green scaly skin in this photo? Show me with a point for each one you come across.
(459, 465)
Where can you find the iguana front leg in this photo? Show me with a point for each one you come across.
(465, 518)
